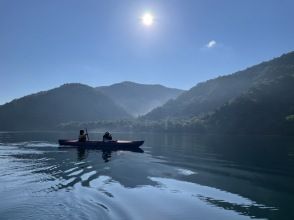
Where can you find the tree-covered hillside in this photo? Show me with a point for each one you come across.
(207, 96)
(70, 102)
(258, 100)
(268, 108)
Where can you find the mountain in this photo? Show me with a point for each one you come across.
(138, 99)
(265, 109)
(207, 96)
(70, 102)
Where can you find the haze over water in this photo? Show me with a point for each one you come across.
(177, 177)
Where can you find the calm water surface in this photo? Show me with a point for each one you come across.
(177, 177)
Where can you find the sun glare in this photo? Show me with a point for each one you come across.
(147, 19)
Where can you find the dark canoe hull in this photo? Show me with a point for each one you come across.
(107, 145)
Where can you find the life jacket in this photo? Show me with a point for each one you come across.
(82, 138)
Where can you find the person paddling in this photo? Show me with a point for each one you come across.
(82, 136)
(107, 136)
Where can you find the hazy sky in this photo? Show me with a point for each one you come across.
(45, 43)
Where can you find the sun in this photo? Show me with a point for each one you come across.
(147, 19)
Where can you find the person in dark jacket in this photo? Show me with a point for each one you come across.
(107, 136)
(82, 136)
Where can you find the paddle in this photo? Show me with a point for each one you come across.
(87, 134)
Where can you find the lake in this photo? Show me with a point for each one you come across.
(177, 177)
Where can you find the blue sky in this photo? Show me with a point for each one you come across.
(45, 43)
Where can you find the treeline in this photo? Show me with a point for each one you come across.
(274, 126)
(173, 125)
(268, 108)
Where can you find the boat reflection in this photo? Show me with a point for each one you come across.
(82, 153)
(106, 156)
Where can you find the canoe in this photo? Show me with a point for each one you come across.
(104, 145)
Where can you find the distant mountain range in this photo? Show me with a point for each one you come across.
(257, 100)
(138, 99)
(82, 103)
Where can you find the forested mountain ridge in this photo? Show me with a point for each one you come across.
(207, 96)
(257, 100)
(70, 102)
(267, 108)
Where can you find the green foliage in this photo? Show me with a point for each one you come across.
(262, 110)
(290, 118)
(193, 125)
